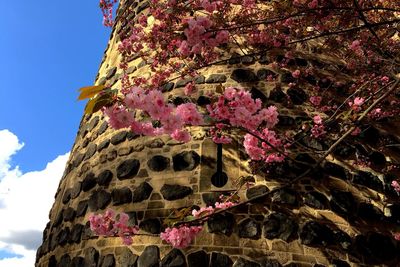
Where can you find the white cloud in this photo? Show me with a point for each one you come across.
(25, 202)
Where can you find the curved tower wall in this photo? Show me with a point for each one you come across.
(341, 219)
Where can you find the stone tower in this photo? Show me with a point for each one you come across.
(339, 216)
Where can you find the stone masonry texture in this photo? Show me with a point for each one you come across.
(339, 216)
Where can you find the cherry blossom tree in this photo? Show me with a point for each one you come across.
(177, 39)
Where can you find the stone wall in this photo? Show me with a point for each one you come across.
(340, 215)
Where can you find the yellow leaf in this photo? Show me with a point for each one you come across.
(90, 91)
(97, 103)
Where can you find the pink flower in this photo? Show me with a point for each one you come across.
(356, 131)
(181, 136)
(224, 205)
(317, 119)
(316, 100)
(396, 236)
(181, 236)
(396, 186)
(296, 74)
(356, 105)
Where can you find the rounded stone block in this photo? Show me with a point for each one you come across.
(128, 169)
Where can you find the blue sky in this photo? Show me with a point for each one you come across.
(48, 50)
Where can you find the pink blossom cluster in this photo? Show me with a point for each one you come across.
(210, 210)
(111, 224)
(356, 103)
(106, 7)
(396, 186)
(265, 151)
(152, 102)
(181, 236)
(318, 129)
(199, 35)
(316, 100)
(239, 109)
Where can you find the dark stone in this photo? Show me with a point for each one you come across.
(203, 100)
(240, 262)
(78, 159)
(269, 263)
(128, 169)
(103, 127)
(125, 257)
(377, 158)
(244, 75)
(316, 200)
(257, 94)
(262, 74)
(156, 143)
(313, 143)
(175, 191)
(132, 218)
(142, 192)
(279, 225)
(91, 257)
(103, 145)
(174, 258)
(89, 182)
(186, 161)
(247, 60)
(221, 224)
(339, 263)
(249, 228)
(167, 87)
(342, 203)
(216, 78)
(277, 95)
(92, 148)
(66, 196)
(394, 212)
(256, 191)
(369, 180)
(81, 209)
(150, 257)
(198, 259)
(99, 200)
(286, 121)
(374, 246)
(343, 239)
(107, 261)
(69, 214)
(121, 196)
(285, 196)
(200, 79)
(313, 233)
(183, 82)
(287, 77)
(370, 212)
(118, 138)
(111, 72)
(235, 59)
(344, 151)
(87, 232)
(76, 190)
(104, 178)
(178, 100)
(210, 198)
(158, 163)
(297, 95)
(76, 233)
(152, 225)
(220, 260)
(93, 123)
(63, 236)
(52, 261)
(335, 170)
(65, 261)
(59, 219)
